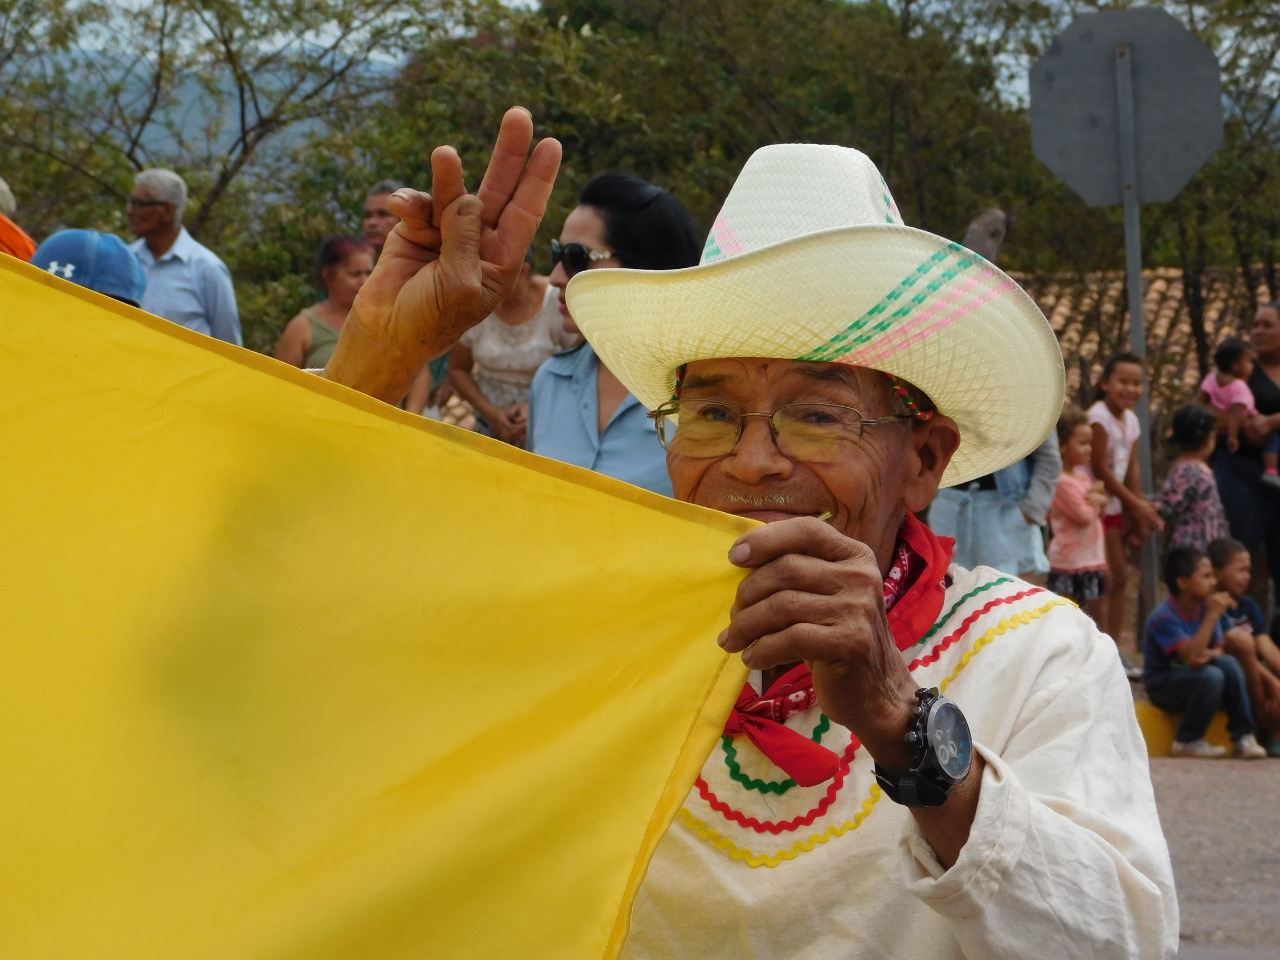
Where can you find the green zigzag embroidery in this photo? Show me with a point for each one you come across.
(841, 344)
(766, 786)
(956, 606)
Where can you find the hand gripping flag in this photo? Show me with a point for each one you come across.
(291, 674)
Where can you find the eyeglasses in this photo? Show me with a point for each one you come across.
(813, 432)
(133, 203)
(575, 256)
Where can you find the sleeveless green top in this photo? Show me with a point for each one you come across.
(323, 339)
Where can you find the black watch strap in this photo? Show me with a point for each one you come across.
(912, 790)
(925, 784)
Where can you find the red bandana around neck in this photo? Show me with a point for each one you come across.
(913, 596)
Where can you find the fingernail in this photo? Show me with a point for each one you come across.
(739, 553)
(723, 638)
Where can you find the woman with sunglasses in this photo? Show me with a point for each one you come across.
(578, 410)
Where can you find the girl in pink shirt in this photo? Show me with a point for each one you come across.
(1077, 552)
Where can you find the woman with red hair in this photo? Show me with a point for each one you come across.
(309, 338)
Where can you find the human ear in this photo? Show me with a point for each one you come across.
(933, 443)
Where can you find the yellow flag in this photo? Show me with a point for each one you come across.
(291, 674)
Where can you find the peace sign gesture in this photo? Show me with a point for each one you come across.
(453, 257)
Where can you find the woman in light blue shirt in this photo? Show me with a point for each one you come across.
(578, 411)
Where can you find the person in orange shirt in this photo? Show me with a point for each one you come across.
(13, 239)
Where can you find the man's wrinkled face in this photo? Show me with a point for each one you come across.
(865, 488)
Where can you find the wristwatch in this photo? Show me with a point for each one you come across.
(943, 754)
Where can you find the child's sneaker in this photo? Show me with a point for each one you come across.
(1271, 480)
(1248, 748)
(1200, 749)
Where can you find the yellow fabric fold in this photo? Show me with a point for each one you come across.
(291, 674)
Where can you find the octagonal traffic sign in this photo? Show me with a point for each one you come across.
(1176, 105)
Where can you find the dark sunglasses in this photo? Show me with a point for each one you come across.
(576, 257)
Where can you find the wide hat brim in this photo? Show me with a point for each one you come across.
(887, 297)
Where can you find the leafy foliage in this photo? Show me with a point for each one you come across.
(280, 114)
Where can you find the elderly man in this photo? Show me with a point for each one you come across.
(186, 282)
(824, 370)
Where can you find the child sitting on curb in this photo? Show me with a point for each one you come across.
(1184, 665)
(1245, 631)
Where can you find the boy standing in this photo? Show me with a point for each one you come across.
(1185, 667)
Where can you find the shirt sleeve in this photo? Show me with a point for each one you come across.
(1254, 613)
(1237, 391)
(1046, 467)
(1070, 502)
(1169, 501)
(1168, 631)
(1076, 865)
(219, 297)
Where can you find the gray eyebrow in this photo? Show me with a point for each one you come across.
(824, 373)
(830, 372)
(702, 381)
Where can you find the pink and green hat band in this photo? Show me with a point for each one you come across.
(863, 330)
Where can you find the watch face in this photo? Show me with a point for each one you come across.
(950, 739)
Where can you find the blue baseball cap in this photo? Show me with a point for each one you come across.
(95, 260)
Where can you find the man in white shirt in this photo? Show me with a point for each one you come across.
(824, 370)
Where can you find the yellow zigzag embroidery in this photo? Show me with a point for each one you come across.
(1001, 628)
(721, 842)
(753, 859)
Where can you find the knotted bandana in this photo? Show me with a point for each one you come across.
(913, 597)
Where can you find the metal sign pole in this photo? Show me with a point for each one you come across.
(1136, 293)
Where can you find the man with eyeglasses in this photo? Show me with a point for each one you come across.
(824, 370)
(186, 281)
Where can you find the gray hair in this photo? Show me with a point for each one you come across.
(7, 204)
(166, 186)
(384, 186)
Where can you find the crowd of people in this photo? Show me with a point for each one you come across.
(1208, 647)
(844, 588)
(1072, 513)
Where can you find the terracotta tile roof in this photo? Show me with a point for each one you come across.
(1091, 319)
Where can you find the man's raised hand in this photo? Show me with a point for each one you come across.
(452, 258)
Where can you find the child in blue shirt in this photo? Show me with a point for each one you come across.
(1244, 629)
(1185, 667)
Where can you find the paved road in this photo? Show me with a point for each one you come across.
(1222, 820)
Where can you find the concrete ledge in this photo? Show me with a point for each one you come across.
(1159, 726)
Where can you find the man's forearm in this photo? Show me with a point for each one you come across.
(377, 363)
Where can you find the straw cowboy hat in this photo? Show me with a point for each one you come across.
(809, 260)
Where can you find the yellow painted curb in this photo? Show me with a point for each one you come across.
(1159, 726)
